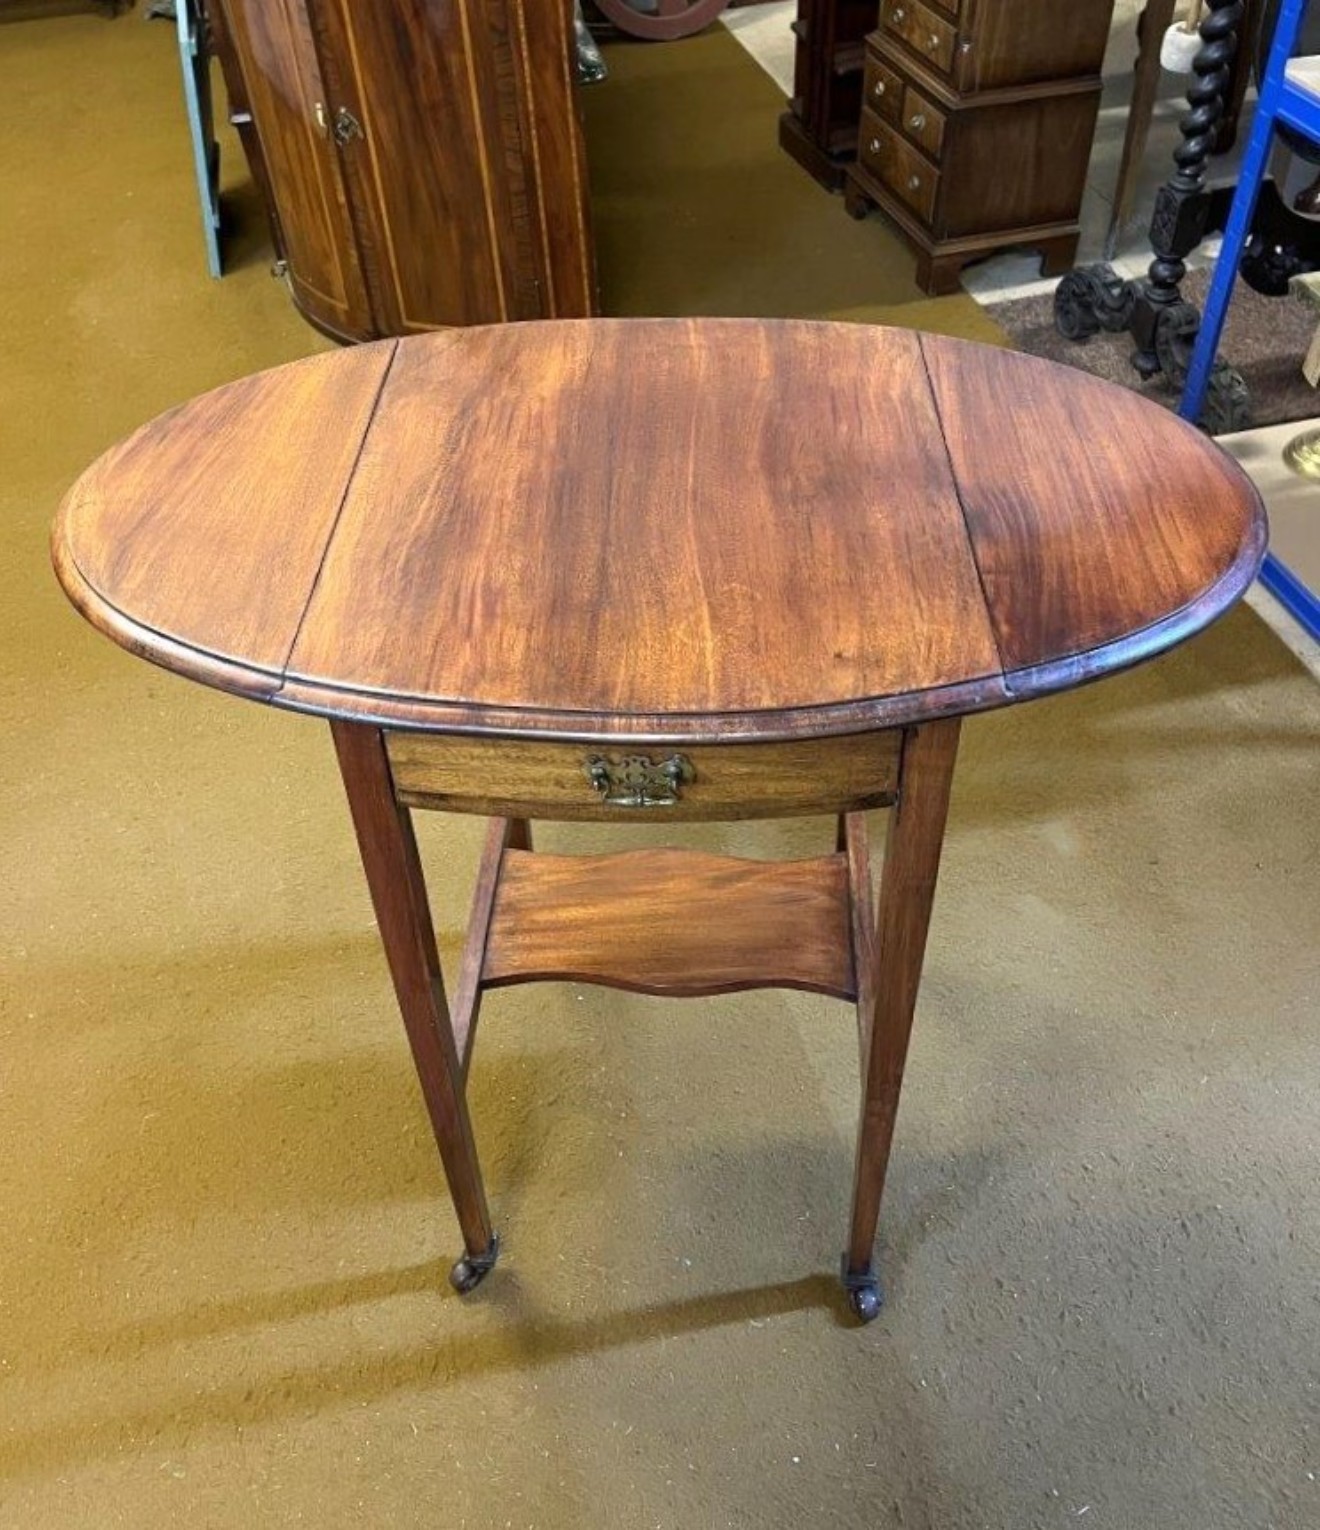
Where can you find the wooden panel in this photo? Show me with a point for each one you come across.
(1049, 144)
(897, 165)
(923, 122)
(1080, 547)
(240, 118)
(883, 92)
(821, 131)
(272, 43)
(684, 548)
(927, 34)
(545, 60)
(1031, 40)
(209, 524)
(415, 74)
(672, 922)
(518, 778)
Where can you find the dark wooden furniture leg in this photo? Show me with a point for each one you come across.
(398, 892)
(1155, 21)
(893, 962)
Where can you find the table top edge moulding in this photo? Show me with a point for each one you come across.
(1005, 565)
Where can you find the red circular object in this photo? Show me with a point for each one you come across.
(671, 19)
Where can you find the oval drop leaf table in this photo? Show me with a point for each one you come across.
(658, 570)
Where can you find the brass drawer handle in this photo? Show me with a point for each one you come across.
(343, 126)
(914, 183)
(875, 146)
(879, 87)
(636, 781)
(917, 121)
(932, 43)
(899, 17)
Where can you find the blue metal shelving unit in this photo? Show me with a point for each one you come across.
(1284, 100)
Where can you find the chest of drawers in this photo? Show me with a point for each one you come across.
(976, 125)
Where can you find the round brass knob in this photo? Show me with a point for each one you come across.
(932, 43)
(914, 183)
(879, 87)
(900, 16)
(875, 146)
(917, 122)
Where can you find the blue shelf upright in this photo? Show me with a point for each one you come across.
(1289, 97)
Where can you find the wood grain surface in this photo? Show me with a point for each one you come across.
(729, 781)
(676, 922)
(423, 162)
(271, 53)
(208, 525)
(659, 530)
(638, 518)
(1072, 560)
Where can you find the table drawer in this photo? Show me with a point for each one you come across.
(898, 166)
(922, 30)
(523, 778)
(883, 91)
(923, 122)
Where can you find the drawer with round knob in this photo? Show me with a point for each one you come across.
(883, 90)
(900, 168)
(921, 30)
(922, 121)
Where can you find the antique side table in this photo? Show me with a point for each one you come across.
(660, 570)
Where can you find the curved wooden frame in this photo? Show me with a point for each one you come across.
(672, 19)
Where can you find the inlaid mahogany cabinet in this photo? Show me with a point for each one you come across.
(422, 159)
(658, 571)
(976, 126)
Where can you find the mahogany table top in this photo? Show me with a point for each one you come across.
(658, 529)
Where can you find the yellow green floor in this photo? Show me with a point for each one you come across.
(222, 1292)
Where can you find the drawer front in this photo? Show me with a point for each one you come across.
(923, 122)
(883, 91)
(521, 778)
(897, 165)
(926, 33)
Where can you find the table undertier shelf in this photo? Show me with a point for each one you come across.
(676, 922)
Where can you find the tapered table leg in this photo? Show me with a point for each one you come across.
(907, 890)
(398, 892)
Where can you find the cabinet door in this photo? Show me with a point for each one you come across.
(272, 43)
(455, 180)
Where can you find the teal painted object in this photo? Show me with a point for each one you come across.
(196, 61)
